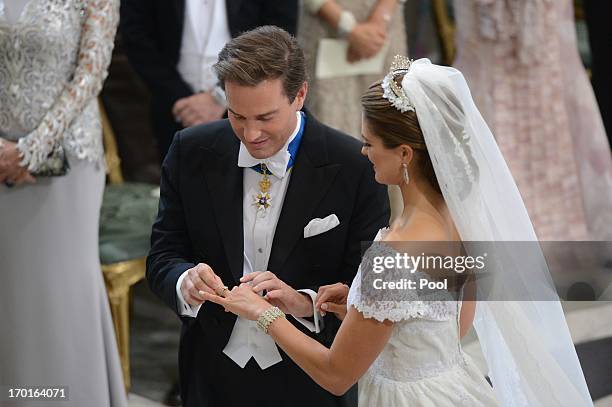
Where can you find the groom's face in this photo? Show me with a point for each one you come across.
(262, 116)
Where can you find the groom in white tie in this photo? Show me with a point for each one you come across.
(270, 193)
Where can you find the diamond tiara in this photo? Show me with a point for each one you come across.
(393, 92)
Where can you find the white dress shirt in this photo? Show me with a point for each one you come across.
(259, 225)
(205, 32)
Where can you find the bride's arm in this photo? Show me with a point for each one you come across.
(357, 344)
(468, 308)
(466, 318)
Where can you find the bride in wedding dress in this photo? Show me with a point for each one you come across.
(423, 132)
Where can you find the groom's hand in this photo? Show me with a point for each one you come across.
(200, 278)
(279, 293)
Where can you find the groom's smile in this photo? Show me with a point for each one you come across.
(258, 145)
(262, 116)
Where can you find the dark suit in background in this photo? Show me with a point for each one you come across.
(599, 19)
(152, 31)
(201, 220)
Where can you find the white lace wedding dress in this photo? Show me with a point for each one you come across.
(423, 364)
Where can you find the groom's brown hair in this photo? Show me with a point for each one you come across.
(265, 53)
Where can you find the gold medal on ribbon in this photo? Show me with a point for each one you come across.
(263, 200)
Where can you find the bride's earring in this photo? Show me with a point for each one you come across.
(405, 173)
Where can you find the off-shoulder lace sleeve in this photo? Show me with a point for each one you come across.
(96, 45)
(394, 311)
(395, 305)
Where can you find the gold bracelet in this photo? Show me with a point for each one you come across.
(269, 316)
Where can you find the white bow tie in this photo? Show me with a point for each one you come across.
(277, 164)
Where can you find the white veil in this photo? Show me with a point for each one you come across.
(526, 342)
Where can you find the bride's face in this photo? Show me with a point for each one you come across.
(387, 162)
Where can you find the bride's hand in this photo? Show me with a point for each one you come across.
(332, 298)
(242, 301)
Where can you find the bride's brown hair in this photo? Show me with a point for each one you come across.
(395, 128)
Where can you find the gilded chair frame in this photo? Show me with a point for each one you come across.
(121, 276)
(446, 30)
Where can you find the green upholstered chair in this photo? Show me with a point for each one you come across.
(128, 211)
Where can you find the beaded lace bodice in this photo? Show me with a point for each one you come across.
(425, 338)
(54, 60)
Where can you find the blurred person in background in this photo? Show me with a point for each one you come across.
(522, 63)
(367, 25)
(172, 45)
(56, 322)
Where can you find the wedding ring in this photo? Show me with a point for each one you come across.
(221, 292)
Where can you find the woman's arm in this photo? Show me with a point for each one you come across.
(466, 318)
(382, 11)
(97, 40)
(468, 308)
(366, 38)
(358, 342)
(330, 11)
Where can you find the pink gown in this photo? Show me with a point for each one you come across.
(521, 61)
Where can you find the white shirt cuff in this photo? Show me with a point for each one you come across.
(318, 320)
(184, 308)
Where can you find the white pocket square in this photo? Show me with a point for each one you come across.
(318, 225)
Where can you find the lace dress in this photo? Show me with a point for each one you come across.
(54, 312)
(422, 364)
(521, 61)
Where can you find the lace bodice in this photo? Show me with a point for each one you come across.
(425, 338)
(54, 60)
(411, 304)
